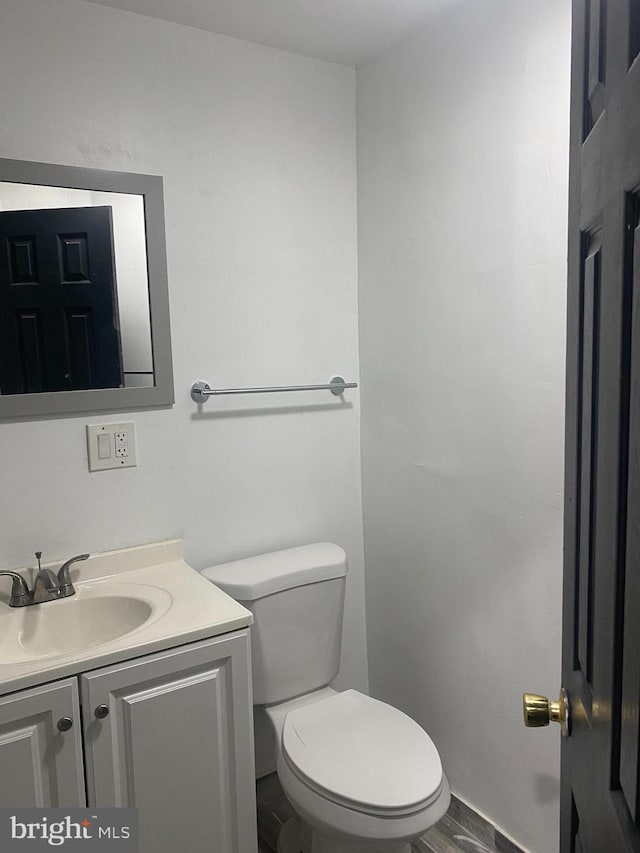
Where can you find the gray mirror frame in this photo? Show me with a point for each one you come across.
(151, 188)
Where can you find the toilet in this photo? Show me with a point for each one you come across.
(362, 776)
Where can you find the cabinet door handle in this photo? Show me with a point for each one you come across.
(64, 724)
(102, 711)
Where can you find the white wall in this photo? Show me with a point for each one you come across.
(257, 151)
(462, 170)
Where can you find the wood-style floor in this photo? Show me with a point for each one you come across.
(459, 831)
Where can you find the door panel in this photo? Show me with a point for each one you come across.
(177, 745)
(629, 659)
(59, 322)
(46, 764)
(595, 62)
(601, 645)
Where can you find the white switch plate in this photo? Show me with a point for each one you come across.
(111, 446)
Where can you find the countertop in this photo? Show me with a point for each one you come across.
(185, 608)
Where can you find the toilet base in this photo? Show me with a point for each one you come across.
(297, 837)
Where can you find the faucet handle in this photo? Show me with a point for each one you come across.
(38, 556)
(20, 594)
(64, 579)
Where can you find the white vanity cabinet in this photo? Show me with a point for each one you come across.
(177, 744)
(170, 734)
(41, 747)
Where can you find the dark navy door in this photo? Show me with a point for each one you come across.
(59, 324)
(601, 640)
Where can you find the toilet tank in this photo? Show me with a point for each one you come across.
(297, 601)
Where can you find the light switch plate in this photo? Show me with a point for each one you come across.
(111, 446)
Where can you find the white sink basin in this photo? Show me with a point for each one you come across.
(97, 614)
(128, 603)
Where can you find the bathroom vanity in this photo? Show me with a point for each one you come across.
(157, 718)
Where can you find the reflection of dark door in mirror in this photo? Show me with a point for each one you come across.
(59, 325)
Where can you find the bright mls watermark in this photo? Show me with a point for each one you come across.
(104, 830)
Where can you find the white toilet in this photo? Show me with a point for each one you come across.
(362, 776)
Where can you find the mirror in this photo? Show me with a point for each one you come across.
(84, 315)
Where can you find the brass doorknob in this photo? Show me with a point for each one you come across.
(539, 711)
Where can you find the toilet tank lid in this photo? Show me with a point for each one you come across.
(257, 577)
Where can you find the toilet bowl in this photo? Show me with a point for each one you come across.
(362, 776)
(360, 773)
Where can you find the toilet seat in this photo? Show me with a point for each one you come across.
(362, 754)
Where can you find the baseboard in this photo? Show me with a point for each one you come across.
(480, 827)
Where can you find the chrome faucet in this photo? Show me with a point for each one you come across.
(47, 585)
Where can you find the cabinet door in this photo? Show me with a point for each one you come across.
(177, 744)
(40, 765)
